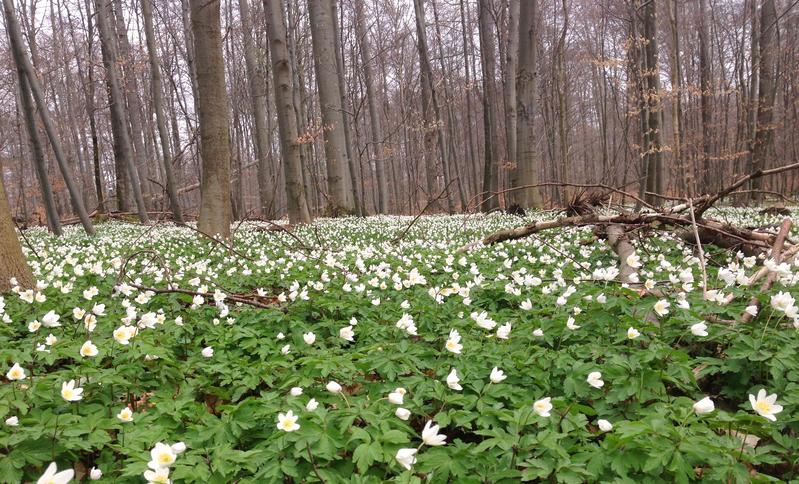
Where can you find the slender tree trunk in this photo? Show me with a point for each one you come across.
(764, 135)
(526, 172)
(23, 63)
(158, 107)
(123, 149)
(675, 72)
(427, 108)
(287, 121)
(706, 96)
(129, 85)
(656, 176)
(509, 93)
(471, 145)
(355, 169)
(255, 80)
(39, 162)
(489, 200)
(374, 116)
(212, 109)
(327, 81)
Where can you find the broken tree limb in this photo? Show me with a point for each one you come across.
(776, 254)
(620, 243)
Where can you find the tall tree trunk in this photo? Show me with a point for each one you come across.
(129, 85)
(764, 137)
(706, 96)
(39, 162)
(509, 93)
(255, 80)
(123, 150)
(12, 261)
(676, 110)
(212, 109)
(158, 107)
(374, 116)
(327, 81)
(471, 145)
(526, 172)
(489, 199)
(355, 168)
(430, 122)
(23, 63)
(287, 121)
(654, 159)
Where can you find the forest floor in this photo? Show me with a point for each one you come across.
(345, 350)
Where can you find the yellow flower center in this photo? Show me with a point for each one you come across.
(16, 373)
(165, 458)
(67, 394)
(287, 424)
(763, 406)
(451, 345)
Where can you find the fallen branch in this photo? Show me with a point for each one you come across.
(776, 254)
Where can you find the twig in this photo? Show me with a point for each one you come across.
(419, 215)
(701, 250)
(776, 254)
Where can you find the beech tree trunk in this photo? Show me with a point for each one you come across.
(24, 64)
(428, 114)
(764, 135)
(706, 96)
(526, 172)
(257, 85)
(212, 109)
(158, 107)
(340, 200)
(374, 116)
(287, 121)
(39, 163)
(489, 200)
(651, 74)
(12, 261)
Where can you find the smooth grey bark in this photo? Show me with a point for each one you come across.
(489, 199)
(355, 170)
(158, 107)
(340, 200)
(123, 149)
(129, 85)
(212, 109)
(764, 134)
(24, 64)
(374, 117)
(39, 162)
(526, 172)
(428, 114)
(287, 122)
(257, 86)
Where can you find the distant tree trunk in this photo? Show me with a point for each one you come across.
(39, 162)
(88, 92)
(561, 86)
(706, 97)
(374, 116)
(526, 172)
(764, 137)
(12, 261)
(212, 109)
(675, 72)
(287, 122)
(129, 85)
(158, 107)
(511, 65)
(471, 148)
(123, 150)
(489, 198)
(327, 81)
(654, 159)
(23, 63)
(255, 80)
(355, 170)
